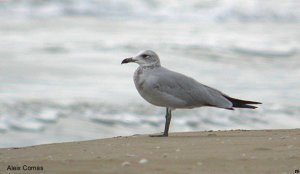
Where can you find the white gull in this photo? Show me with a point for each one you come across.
(162, 87)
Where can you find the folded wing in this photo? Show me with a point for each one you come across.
(189, 90)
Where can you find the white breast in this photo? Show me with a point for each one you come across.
(146, 84)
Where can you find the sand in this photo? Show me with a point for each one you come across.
(238, 151)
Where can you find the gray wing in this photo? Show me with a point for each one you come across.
(193, 93)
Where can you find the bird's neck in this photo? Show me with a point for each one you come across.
(151, 66)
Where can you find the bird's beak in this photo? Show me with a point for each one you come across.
(128, 60)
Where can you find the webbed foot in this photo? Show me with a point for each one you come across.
(158, 135)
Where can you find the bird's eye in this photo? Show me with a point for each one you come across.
(144, 55)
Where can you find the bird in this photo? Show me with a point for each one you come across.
(166, 88)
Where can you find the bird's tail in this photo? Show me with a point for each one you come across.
(237, 103)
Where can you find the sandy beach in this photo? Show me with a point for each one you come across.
(237, 151)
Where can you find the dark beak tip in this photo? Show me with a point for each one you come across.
(127, 60)
(124, 61)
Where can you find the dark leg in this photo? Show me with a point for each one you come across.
(167, 124)
(168, 121)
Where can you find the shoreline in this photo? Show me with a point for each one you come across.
(233, 151)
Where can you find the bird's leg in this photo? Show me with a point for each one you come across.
(168, 121)
(167, 124)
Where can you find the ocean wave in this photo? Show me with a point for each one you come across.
(3, 124)
(220, 10)
(36, 116)
(88, 120)
(206, 49)
(26, 124)
(265, 52)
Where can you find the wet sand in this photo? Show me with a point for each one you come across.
(238, 151)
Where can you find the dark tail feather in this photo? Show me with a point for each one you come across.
(237, 103)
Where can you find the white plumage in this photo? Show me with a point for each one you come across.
(162, 87)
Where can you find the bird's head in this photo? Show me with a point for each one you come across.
(144, 58)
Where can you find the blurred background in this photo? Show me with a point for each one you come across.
(61, 77)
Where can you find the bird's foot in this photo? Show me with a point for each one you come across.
(159, 135)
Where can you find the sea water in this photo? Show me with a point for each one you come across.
(61, 77)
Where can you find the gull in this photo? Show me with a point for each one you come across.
(172, 90)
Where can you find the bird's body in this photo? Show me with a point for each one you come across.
(162, 87)
(175, 90)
